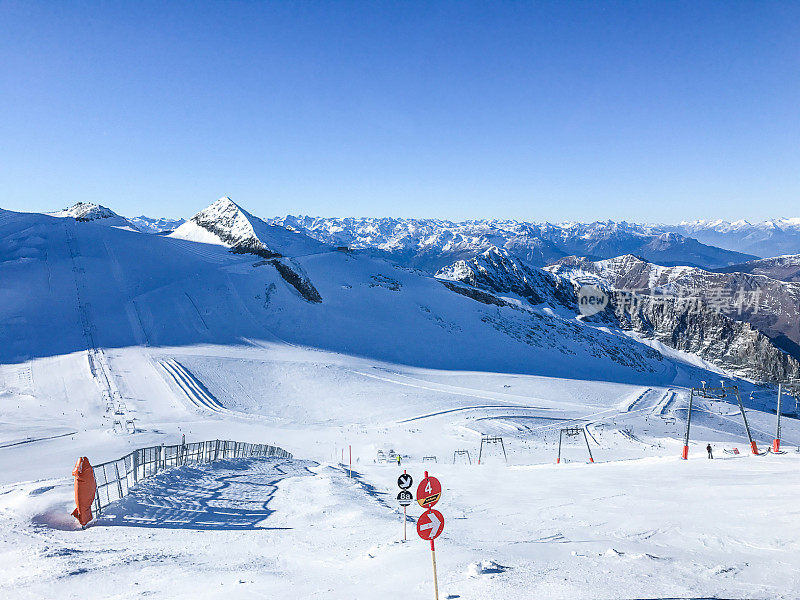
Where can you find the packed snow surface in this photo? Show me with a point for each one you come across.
(182, 337)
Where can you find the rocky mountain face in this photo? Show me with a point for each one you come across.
(694, 326)
(699, 329)
(769, 305)
(498, 271)
(768, 238)
(431, 244)
(226, 223)
(784, 268)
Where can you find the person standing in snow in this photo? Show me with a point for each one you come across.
(398, 460)
(708, 449)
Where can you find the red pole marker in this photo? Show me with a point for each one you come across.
(429, 526)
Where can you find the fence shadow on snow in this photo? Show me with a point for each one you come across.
(210, 491)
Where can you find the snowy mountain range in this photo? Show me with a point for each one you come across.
(431, 244)
(155, 225)
(109, 287)
(534, 307)
(773, 237)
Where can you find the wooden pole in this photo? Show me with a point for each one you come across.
(405, 538)
(435, 579)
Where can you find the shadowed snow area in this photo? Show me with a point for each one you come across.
(226, 494)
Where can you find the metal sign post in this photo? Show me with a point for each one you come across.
(404, 497)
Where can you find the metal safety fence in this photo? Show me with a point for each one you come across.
(115, 478)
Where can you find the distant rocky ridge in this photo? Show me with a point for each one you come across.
(769, 305)
(431, 244)
(773, 237)
(696, 327)
(785, 268)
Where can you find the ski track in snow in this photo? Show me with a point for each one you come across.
(195, 391)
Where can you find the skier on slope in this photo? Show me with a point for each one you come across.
(708, 449)
(398, 460)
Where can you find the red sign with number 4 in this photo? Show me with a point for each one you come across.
(429, 491)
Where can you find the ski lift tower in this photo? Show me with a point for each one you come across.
(776, 443)
(489, 440)
(573, 432)
(716, 393)
(462, 454)
(793, 389)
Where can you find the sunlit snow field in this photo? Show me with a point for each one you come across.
(185, 339)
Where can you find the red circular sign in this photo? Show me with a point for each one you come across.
(430, 524)
(428, 492)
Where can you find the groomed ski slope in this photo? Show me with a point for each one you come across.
(183, 338)
(645, 528)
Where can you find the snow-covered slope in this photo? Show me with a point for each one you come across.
(431, 244)
(101, 325)
(227, 224)
(119, 288)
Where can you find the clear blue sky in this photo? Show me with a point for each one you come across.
(645, 111)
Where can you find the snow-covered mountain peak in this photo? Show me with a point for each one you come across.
(88, 211)
(227, 216)
(226, 223)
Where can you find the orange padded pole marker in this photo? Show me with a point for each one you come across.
(85, 489)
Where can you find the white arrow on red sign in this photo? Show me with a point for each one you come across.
(430, 524)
